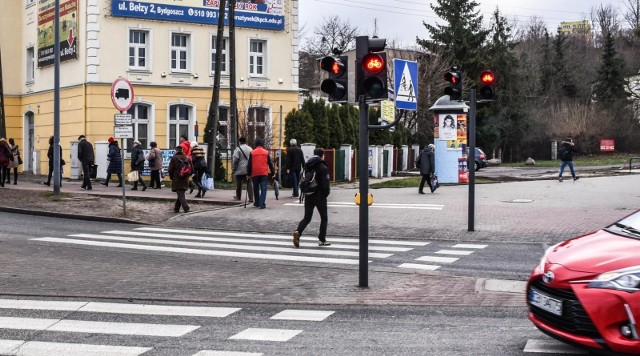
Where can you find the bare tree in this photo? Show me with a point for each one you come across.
(334, 32)
(632, 16)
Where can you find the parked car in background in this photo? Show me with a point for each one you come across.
(586, 290)
(481, 159)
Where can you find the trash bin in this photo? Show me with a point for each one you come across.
(94, 172)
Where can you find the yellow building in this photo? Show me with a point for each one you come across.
(575, 27)
(165, 49)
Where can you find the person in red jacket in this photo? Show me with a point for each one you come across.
(186, 145)
(258, 168)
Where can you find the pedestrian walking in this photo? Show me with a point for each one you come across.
(567, 148)
(137, 164)
(294, 164)
(199, 167)
(259, 168)
(186, 145)
(50, 156)
(427, 166)
(115, 162)
(5, 158)
(155, 165)
(86, 157)
(239, 169)
(315, 169)
(179, 181)
(15, 162)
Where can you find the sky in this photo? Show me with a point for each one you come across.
(401, 20)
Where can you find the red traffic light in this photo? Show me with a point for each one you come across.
(487, 77)
(373, 63)
(332, 65)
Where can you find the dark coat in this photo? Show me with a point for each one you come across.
(137, 158)
(426, 162)
(85, 152)
(174, 169)
(322, 175)
(295, 159)
(566, 151)
(5, 154)
(114, 157)
(50, 155)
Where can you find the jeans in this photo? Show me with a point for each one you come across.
(260, 191)
(570, 164)
(86, 174)
(296, 178)
(310, 202)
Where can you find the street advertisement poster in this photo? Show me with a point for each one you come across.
(461, 133)
(263, 14)
(68, 31)
(447, 127)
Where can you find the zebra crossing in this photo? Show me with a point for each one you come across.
(274, 247)
(337, 204)
(75, 318)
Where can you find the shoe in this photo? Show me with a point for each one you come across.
(47, 184)
(198, 195)
(560, 179)
(83, 188)
(250, 201)
(89, 188)
(324, 243)
(421, 192)
(296, 238)
(235, 198)
(144, 188)
(575, 178)
(134, 188)
(15, 183)
(295, 197)
(191, 190)
(203, 193)
(105, 184)
(119, 185)
(176, 210)
(186, 210)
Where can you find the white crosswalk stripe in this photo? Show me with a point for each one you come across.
(550, 346)
(471, 248)
(38, 348)
(336, 204)
(261, 334)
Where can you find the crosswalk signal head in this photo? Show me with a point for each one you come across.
(337, 84)
(487, 85)
(374, 67)
(454, 78)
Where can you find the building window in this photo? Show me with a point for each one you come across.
(179, 52)
(223, 127)
(140, 120)
(257, 58)
(257, 127)
(179, 123)
(223, 56)
(31, 65)
(29, 3)
(138, 49)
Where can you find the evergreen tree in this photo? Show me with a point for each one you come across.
(563, 79)
(336, 131)
(610, 82)
(220, 173)
(299, 125)
(546, 66)
(318, 111)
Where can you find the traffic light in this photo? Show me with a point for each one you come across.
(337, 84)
(487, 85)
(454, 90)
(371, 78)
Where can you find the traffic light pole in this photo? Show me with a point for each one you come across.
(471, 158)
(363, 175)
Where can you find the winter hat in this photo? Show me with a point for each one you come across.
(111, 139)
(80, 137)
(431, 146)
(153, 144)
(194, 143)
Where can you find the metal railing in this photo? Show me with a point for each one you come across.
(630, 160)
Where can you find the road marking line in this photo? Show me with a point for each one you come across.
(380, 206)
(96, 327)
(118, 308)
(308, 315)
(226, 353)
(419, 266)
(455, 252)
(266, 334)
(39, 348)
(228, 246)
(551, 347)
(271, 236)
(469, 246)
(437, 259)
(200, 252)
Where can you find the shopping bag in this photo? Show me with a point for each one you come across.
(132, 176)
(206, 182)
(434, 183)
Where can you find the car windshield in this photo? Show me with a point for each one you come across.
(628, 226)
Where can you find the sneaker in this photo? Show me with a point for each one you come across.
(560, 179)
(324, 243)
(575, 178)
(296, 238)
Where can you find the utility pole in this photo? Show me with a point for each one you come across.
(232, 81)
(3, 125)
(56, 101)
(214, 113)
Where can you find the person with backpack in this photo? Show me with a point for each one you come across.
(180, 170)
(199, 166)
(315, 186)
(294, 164)
(258, 168)
(239, 169)
(567, 148)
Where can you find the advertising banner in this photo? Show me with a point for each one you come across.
(68, 31)
(263, 14)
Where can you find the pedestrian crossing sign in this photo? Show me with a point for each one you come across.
(405, 84)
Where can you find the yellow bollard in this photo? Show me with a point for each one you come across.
(369, 199)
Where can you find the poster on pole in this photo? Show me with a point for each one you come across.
(68, 31)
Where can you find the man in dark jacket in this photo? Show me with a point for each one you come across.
(567, 149)
(86, 157)
(179, 184)
(294, 164)
(259, 167)
(137, 164)
(427, 166)
(317, 199)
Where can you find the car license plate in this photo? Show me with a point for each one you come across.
(545, 302)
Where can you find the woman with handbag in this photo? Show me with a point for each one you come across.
(5, 159)
(14, 163)
(155, 165)
(137, 164)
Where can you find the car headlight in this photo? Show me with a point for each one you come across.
(626, 279)
(543, 260)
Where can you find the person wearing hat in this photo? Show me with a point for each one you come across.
(426, 163)
(137, 164)
(199, 166)
(179, 184)
(86, 158)
(115, 162)
(155, 165)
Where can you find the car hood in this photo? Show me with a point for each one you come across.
(598, 252)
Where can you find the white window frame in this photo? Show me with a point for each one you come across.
(224, 69)
(186, 49)
(250, 121)
(135, 121)
(257, 56)
(190, 122)
(30, 72)
(137, 46)
(28, 3)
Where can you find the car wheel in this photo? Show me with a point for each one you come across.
(476, 166)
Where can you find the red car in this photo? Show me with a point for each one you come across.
(586, 290)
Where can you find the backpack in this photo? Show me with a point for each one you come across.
(565, 153)
(308, 183)
(185, 169)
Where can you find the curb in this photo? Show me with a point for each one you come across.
(69, 216)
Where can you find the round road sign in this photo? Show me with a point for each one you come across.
(122, 94)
